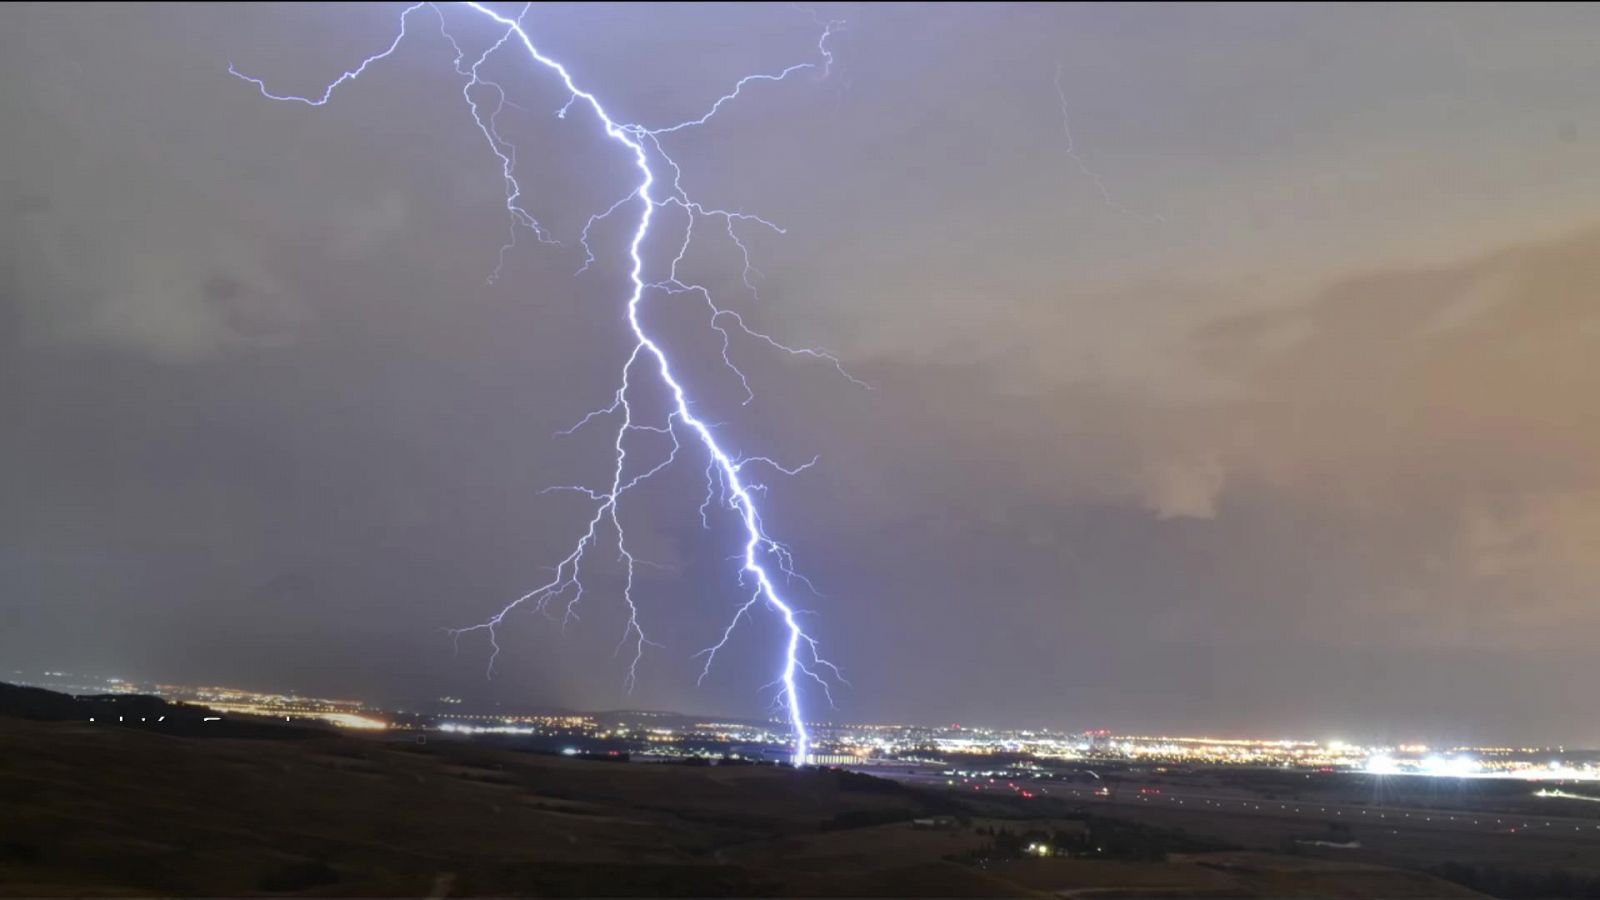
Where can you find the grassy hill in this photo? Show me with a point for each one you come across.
(103, 809)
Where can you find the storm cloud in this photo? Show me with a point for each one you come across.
(1295, 433)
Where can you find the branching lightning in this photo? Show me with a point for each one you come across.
(763, 561)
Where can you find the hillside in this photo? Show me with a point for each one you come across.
(106, 810)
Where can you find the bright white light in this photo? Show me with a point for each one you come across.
(1567, 795)
(1450, 765)
(350, 720)
(1382, 764)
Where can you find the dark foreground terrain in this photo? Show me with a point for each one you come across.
(130, 809)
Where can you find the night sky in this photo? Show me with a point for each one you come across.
(1294, 429)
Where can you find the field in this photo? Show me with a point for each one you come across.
(1496, 835)
(107, 810)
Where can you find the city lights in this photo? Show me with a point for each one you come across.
(1027, 752)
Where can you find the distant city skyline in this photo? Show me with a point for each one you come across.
(446, 707)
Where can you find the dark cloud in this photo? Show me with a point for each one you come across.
(1313, 454)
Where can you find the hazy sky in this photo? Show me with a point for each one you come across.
(1293, 428)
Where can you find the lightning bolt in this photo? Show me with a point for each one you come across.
(763, 561)
(1083, 164)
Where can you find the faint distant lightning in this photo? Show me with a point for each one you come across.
(727, 486)
(1083, 165)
